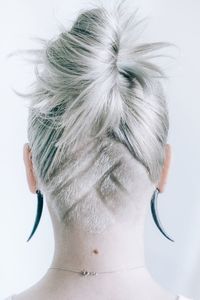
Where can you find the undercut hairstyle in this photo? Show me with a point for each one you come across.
(98, 118)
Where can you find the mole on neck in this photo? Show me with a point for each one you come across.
(95, 251)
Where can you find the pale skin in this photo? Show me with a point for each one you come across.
(121, 246)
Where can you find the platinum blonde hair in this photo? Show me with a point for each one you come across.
(98, 118)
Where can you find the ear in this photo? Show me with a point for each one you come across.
(27, 156)
(165, 170)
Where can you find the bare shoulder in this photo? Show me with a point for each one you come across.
(38, 290)
(27, 294)
(31, 293)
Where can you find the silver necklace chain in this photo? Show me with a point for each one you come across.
(91, 273)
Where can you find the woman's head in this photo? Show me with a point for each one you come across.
(98, 119)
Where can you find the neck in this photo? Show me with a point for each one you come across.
(121, 246)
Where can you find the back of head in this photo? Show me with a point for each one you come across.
(98, 119)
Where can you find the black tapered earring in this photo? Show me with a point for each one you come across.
(154, 211)
(38, 214)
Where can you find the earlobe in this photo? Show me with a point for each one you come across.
(166, 165)
(29, 168)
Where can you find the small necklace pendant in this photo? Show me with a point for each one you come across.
(87, 273)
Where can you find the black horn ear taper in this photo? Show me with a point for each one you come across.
(38, 214)
(154, 211)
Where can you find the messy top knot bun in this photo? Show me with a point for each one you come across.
(97, 113)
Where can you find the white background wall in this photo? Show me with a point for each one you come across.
(175, 265)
